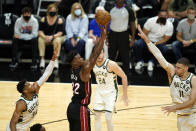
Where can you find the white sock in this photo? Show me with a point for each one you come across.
(97, 121)
(108, 117)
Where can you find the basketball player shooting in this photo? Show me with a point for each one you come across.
(78, 113)
(27, 105)
(182, 88)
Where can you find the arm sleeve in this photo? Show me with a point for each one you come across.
(46, 74)
(83, 27)
(17, 27)
(68, 28)
(179, 27)
(156, 52)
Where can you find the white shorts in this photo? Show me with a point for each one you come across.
(186, 123)
(17, 128)
(105, 101)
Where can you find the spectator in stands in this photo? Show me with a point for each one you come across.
(178, 7)
(159, 30)
(76, 29)
(93, 36)
(25, 33)
(186, 35)
(37, 127)
(122, 17)
(50, 32)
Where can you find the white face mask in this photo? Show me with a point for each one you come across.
(171, 19)
(77, 12)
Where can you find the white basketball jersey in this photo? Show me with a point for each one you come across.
(180, 92)
(107, 81)
(28, 115)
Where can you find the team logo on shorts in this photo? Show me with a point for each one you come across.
(187, 82)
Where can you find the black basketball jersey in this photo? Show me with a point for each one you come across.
(81, 90)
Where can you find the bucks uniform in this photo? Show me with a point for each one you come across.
(78, 113)
(28, 115)
(180, 93)
(106, 91)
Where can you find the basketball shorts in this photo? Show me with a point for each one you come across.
(78, 117)
(186, 122)
(18, 127)
(105, 101)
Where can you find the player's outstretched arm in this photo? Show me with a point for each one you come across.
(114, 67)
(89, 64)
(158, 55)
(47, 72)
(20, 107)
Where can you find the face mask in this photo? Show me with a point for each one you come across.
(77, 12)
(26, 18)
(161, 20)
(52, 13)
(191, 17)
(171, 19)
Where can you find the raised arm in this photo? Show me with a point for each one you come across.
(47, 72)
(156, 52)
(89, 64)
(113, 66)
(20, 107)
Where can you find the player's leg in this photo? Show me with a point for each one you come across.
(85, 119)
(110, 100)
(97, 120)
(98, 107)
(192, 121)
(109, 121)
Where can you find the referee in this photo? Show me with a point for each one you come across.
(122, 17)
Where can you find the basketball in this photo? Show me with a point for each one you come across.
(102, 17)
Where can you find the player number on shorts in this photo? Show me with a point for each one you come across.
(75, 86)
(181, 93)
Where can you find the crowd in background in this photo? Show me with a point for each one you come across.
(166, 22)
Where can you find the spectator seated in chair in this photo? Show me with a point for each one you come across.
(186, 35)
(76, 29)
(25, 33)
(50, 32)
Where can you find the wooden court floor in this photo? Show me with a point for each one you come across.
(143, 113)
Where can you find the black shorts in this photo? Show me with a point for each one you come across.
(78, 117)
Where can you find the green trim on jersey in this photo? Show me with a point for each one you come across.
(116, 87)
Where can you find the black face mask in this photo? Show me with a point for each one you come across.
(161, 20)
(52, 13)
(26, 18)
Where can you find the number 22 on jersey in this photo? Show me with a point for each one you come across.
(75, 87)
